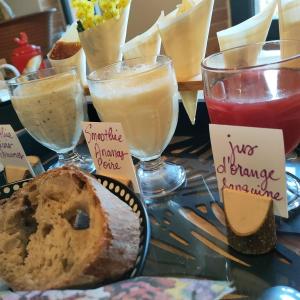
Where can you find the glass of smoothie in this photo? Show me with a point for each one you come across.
(257, 85)
(142, 95)
(49, 104)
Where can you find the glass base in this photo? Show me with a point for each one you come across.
(158, 178)
(73, 158)
(293, 191)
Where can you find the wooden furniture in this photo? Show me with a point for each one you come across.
(37, 26)
(59, 22)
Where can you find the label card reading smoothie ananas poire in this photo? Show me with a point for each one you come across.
(251, 160)
(109, 150)
(11, 151)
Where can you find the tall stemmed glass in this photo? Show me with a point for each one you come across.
(258, 85)
(142, 95)
(49, 104)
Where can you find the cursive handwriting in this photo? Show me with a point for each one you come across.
(4, 154)
(4, 134)
(230, 165)
(108, 135)
(103, 157)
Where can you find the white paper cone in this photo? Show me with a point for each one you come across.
(184, 37)
(78, 59)
(145, 44)
(102, 43)
(289, 26)
(253, 30)
(190, 101)
(289, 19)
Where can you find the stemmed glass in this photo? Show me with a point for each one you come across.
(142, 95)
(258, 85)
(49, 104)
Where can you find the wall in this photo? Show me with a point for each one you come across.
(145, 12)
(24, 7)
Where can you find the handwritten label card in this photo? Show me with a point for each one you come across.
(251, 160)
(11, 150)
(109, 150)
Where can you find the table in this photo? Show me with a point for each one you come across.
(189, 236)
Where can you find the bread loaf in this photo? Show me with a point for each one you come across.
(43, 247)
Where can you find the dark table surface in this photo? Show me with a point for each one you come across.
(189, 237)
(188, 233)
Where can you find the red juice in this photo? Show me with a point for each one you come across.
(267, 99)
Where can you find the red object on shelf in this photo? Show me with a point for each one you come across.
(22, 54)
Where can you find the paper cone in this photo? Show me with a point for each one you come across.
(253, 30)
(289, 25)
(184, 37)
(77, 59)
(146, 44)
(289, 19)
(190, 101)
(184, 34)
(102, 43)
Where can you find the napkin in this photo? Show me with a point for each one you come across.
(145, 44)
(78, 59)
(184, 34)
(140, 288)
(102, 43)
(253, 30)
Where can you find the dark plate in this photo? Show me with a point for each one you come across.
(125, 195)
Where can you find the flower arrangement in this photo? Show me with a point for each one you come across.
(91, 13)
(102, 27)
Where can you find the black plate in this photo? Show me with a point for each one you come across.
(125, 195)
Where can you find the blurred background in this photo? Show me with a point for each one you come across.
(46, 20)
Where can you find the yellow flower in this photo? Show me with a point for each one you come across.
(85, 11)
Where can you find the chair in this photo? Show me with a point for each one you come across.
(38, 27)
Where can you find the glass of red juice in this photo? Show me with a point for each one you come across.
(257, 85)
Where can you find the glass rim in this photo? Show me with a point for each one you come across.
(166, 60)
(14, 81)
(205, 67)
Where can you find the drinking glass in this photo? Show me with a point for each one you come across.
(258, 85)
(49, 104)
(142, 95)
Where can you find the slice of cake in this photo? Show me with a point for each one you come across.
(64, 229)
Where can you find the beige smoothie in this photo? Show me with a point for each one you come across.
(51, 110)
(145, 102)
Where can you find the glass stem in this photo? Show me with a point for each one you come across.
(68, 157)
(151, 165)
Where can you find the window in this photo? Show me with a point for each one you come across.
(261, 4)
(245, 9)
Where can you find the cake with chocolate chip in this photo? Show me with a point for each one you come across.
(64, 229)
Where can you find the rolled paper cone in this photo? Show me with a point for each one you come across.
(78, 59)
(289, 19)
(190, 101)
(145, 44)
(289, 24)
(184, 34)
(102, 43)
(253, 30)
(184, 38)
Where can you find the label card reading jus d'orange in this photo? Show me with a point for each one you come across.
(109, 150)
(251, 160)
(11, 151)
